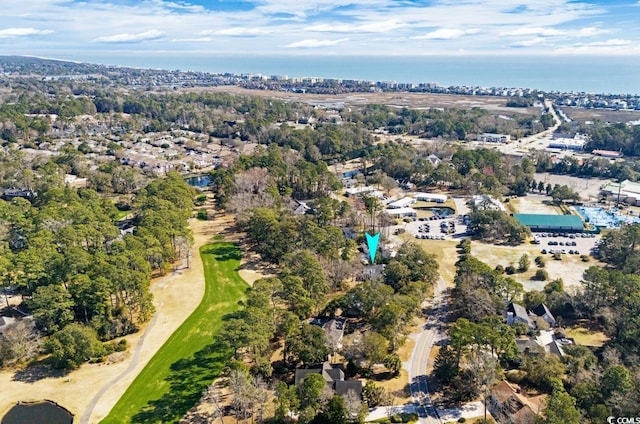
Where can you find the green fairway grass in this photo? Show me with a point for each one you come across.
(173, 381)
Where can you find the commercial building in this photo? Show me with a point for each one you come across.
(576, 143)
(625, 191)
(493, 138)
(405, 202)
(430, 197)
(401, 212)
(544, 222)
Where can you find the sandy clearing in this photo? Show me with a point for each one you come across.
(175, 297)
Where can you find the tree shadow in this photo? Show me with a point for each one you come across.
(37, 371)
(187, 381)
(224, 252)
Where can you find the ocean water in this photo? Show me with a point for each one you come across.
(590, 74)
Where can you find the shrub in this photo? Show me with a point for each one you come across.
(510, 269)
(462, 420)
(557, 256)
(521, 328)
(523, 263)
(121, 346)
(515, 376)
(123, 206)
(541, 275)
(540, 261)
(584, 258)
(203, 215)
(499, 269)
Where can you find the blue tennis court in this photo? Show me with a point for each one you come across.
(604, 218)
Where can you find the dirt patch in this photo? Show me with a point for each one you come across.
(536, 204)
(588, 188)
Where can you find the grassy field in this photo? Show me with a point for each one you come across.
(172, 382)
(445, 253)
(586, 337)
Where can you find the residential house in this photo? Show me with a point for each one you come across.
(334, 331)
(334, 377)
(371, 272)
(543, 312)
(507, 406)
(517, 313)
(300, 207)
(435, 160)
(74, 181)
(12, 193)
(485, 202)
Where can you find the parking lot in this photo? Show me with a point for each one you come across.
(563, 243)
(437, 227)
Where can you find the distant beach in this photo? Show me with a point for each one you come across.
(590, 74)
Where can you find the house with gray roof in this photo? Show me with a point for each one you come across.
(543, 312)
(517, 313)
(334, 377)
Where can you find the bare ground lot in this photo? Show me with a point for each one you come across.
(412, 100)
(588, 188)
(581, 114)
(534, 204)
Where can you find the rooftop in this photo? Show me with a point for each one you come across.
(534, 221)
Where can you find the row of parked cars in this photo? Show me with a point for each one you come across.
(561, 243)
(562, 251)
(569, 235)
(430, 236)
(433, 218)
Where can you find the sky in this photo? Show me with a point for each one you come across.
(73, 29)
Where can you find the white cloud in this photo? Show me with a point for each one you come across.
(131, 38)
(528, 43)
(192, 40)
(610, 42)
(23, 32)
(539, 31)
(371, 27)
(591, 32)
(312, 43)
(238, 31)
(446, 34)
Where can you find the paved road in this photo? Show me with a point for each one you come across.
(430, 334)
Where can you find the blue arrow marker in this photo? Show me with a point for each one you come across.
(372, 243)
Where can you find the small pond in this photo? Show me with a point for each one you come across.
(199, 181)
(41, 412)
(442, 211)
